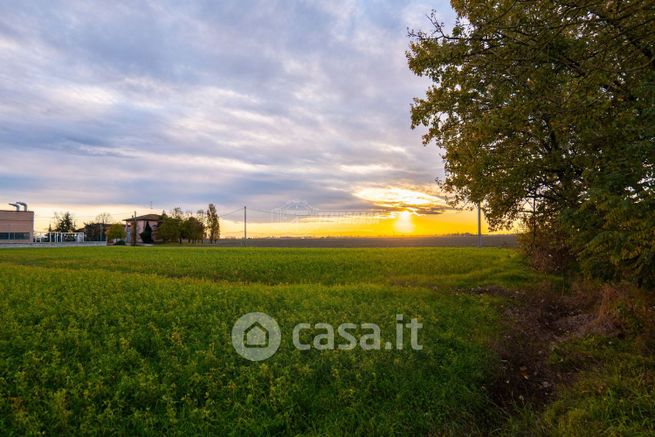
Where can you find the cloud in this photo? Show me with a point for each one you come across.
(184, 103)
(416, 200)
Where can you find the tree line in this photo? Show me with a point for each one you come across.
(175, 225)
(178, 225)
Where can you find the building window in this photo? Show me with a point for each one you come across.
(14, 236)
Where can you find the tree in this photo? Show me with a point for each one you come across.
(116, 232)
(201, 216)
(213, 223)
(193, 230)
(102, 219)
(64, 222)
(94, 231)
(170, 228)
(178, 213)
(545, 111)
(146, 235)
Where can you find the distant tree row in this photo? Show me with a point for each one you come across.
(178, 225)
(96, 230)
(175, 226)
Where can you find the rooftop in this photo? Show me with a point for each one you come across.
(153, 217)
(14, 211)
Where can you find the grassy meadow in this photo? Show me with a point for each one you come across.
(121, 340)
(133, 340)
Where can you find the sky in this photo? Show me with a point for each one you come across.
(129, 106)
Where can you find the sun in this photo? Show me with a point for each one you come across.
(404, 223)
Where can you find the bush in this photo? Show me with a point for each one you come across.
(116, 231)
(119, 243)
(615, 240)
(547, 249)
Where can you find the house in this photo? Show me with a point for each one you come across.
(135, 226)
(16, 226)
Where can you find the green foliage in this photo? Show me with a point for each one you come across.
(192, 229)
(213, 223)
(116, 232)
(169, 229)
(547, 248)
(617, 239)
(137, 341)
(94, 232)
(180, 226)
(545, 111)
(64, 222)
(97, 230)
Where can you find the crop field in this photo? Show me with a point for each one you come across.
(137, 340)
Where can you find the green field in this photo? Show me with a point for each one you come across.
(137, 340)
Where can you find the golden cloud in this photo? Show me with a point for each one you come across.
(403, 199)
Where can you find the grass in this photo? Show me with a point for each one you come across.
(610, 376)
(448, 267)
(133, 341)
(612, 393)
(616, 397)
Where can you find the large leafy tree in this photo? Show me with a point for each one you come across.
(169, 228)
(193, 229)
(545, 111)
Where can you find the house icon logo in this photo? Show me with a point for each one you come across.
(256, 336)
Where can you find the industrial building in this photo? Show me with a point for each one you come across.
(17, 225)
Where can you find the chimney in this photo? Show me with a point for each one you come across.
(24, 205)
(15, 205)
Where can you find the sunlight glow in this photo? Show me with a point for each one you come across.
(404, 223)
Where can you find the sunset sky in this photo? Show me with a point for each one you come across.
(128, 105)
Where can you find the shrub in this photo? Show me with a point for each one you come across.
(546, 248)
(146, 235)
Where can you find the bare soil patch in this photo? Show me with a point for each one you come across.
(536, 321)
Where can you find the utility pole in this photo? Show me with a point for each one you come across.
(479, 227)
(133, 228)
(245, 223)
